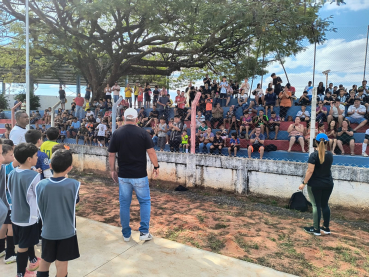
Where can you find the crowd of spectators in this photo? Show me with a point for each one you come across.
(254, 117)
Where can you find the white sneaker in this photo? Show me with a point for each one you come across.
(364, 154)
(145, 237)
(126, 239)
(11, 259)
(2, 254)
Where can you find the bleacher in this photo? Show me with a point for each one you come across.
(281, 142)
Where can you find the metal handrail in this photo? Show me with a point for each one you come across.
(53, 113)
(13, 113)
(193, 121)
(114, 114)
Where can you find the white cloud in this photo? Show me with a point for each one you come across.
(353, 5)
(344, 58)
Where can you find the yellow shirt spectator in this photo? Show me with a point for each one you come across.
(137, 90)
(87, 106)
(128, 92)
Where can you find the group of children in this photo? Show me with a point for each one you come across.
(41, 200)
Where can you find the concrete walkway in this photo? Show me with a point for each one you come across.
(104, 253)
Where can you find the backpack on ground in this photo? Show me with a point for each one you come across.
(299, 202)
(270, 148)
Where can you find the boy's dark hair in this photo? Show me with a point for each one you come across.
(32, 136)
(305, 91)
(24, 151)
(8, 142)
(273, 112)
(56, 147)
(52, 133)
(61, 160)
(218, 133)
(7, 148)
(273, 74)
(177, 116)
(269, 89)
(234, 135)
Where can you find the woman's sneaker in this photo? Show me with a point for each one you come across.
(311, 230)
(146, 236)
(11, 259)
(325, 230)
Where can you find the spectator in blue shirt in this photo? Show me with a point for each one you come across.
(74, 127)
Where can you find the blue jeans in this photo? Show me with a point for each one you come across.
(79, 111)
(208, 115)
(115, 97)
(141, 187)
(201, 147)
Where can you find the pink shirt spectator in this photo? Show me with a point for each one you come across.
(79, 101)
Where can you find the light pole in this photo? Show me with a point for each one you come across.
(27, 63)
(326, 72)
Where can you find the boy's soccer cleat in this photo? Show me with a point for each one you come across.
(34, 266)
(11, 259)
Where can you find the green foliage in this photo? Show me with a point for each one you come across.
(3, 102)
(34, 100)
(105, 40)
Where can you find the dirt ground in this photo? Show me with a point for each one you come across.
(251, 228)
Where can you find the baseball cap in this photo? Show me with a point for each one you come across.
(322, 136)
(130, 113)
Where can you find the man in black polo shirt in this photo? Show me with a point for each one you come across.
(131, 143)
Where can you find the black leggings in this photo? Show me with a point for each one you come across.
(319, 198)
(283, 111)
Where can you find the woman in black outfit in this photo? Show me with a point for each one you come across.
(320, 185)
(320, 91)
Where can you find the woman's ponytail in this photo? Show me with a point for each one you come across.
(321, 151)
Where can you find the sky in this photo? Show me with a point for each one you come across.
(343, 53)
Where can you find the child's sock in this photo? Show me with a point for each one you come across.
(43, 274)
(2, 245)
(31, 255)
(186, 150)
(22, 262)
(9, 247)
(364, 148)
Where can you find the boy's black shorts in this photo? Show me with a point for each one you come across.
(25, 236)
(62, 250)
(100, 138)
(7, 219)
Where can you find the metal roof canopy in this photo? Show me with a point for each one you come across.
(64, 75)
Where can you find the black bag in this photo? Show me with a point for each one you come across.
(270, 147)
(299, 202)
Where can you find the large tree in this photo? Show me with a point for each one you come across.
(108, 39)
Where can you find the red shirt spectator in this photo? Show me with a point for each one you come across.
(79, 101)
(182, 99)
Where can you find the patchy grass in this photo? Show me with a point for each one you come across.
(214, 243)
(250, 228)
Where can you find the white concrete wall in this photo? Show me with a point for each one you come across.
(45, 101)
(240, 175)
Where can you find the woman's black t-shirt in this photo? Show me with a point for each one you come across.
(322, 175)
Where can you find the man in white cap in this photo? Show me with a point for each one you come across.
(132, 143)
